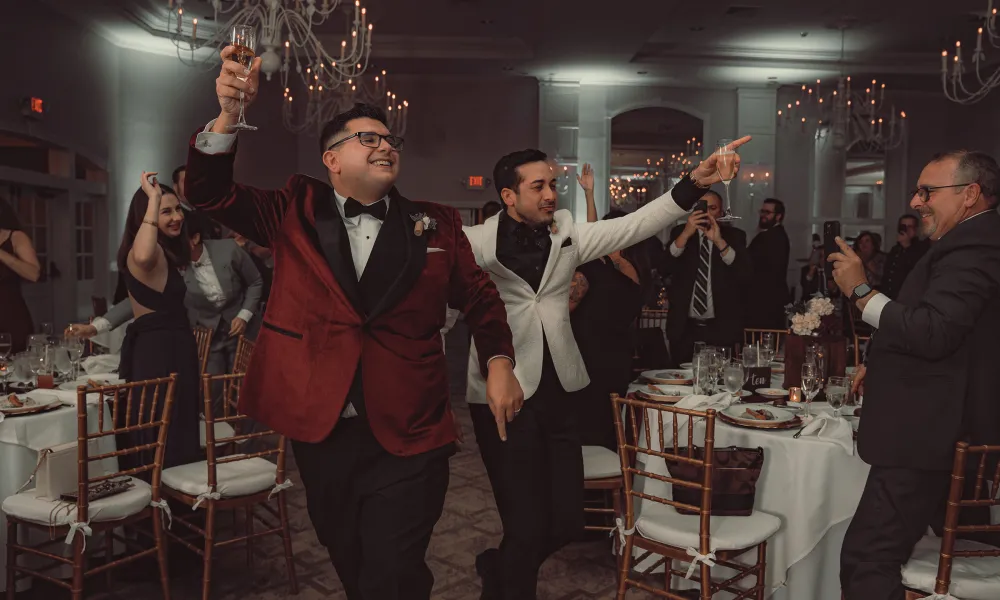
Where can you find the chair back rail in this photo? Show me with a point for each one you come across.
(203, 336)
(154, 402)
(244, 350)
(752, 336)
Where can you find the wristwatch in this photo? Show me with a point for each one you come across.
(860, 292)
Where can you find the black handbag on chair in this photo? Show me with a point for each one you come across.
(734, 480)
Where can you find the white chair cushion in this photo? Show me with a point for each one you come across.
(971, 578)
(31, 508)
(599, 462)
(222, 430)
(664, 524)
(238, 478)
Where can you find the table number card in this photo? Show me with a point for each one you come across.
(760, 377)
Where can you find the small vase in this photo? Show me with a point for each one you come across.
(795, 351)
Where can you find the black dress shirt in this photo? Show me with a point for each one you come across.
(523, 250)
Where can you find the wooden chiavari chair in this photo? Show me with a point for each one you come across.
(246, 481)
(649, 319)
(73, 523)
(244, 349)
(936, 566)
(753, 336)
(99, 304)
(203, 336)
(663, 531)
(858, 341)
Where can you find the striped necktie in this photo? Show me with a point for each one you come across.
(701, 281)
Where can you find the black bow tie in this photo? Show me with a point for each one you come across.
(353, 208)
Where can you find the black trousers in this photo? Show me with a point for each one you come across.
(711, 332)
(537, 480)
(896, 508)
(374, 511)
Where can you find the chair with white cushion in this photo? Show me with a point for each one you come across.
(602, 471)
(948, 567)
(72, 523)
(703, 540)
(246, 481)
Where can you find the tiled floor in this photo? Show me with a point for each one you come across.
(469, 525)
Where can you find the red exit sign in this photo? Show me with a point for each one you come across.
(475, 182)
(33, 107)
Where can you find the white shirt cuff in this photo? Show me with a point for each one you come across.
(101, 324)
(729, 256)
(244, 314)
(493, 358)
(214, 143)
(674, 250)
(873, 310)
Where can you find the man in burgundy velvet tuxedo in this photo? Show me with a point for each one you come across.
(349, 363)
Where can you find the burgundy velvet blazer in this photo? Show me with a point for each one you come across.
(314, 332)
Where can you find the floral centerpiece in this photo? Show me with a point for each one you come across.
(813, 317)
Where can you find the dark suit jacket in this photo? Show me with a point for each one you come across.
(728, 282)
(932, 377)
(240, 280)
(768, 295)
(321, 324)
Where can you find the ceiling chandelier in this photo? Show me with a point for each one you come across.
(288, 45)
(955, 89)
(860, 121)
(633, 188)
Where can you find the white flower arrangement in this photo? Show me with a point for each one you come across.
(807, 317)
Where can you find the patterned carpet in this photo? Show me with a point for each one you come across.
(469, 525)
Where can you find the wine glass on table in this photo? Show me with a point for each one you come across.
(734, 379)
(726, 165)
(244, 42)
(767, 348)
(6, 366)
(810, 385)
(836, 392)
(61, 361)
(5, 345)
(74, 346)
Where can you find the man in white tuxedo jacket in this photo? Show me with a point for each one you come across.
(531, 252)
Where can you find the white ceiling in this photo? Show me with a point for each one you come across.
(666, 42)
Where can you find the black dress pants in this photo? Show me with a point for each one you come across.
(537, 480)
(374, 511)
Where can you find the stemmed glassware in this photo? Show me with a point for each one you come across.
(811, 382)
(766, 348)
(734, 379)
(244, 41)
(726, 165)
(74, 348)
(61, 360)
(6, 365)
(836, 392)
(5, 345)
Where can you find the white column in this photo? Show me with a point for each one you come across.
(558, 130)
(594, 147)
(755, 116)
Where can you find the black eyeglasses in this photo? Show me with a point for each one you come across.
(370, 139)
(925, 191)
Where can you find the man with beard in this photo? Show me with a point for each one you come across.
(930, 379)
(349, 364)
(769, 252)
(904, 255)
(531, 252)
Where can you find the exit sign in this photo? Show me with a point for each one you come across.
(476, 182)
(33, 107)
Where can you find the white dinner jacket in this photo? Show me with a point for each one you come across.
(530, 313)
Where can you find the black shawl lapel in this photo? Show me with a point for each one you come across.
(401, 209)
(336, 248)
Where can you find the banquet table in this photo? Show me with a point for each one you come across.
(812, 485)
(21, 437)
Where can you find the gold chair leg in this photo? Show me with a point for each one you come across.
(160, 537)
(206, 580)
(286, 537)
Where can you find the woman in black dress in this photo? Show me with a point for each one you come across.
(17, 262)
(160, 340)
(606, 299)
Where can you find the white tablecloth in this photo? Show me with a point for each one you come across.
(813, 485)
(20, 440)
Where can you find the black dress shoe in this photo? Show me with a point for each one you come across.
(488, 569)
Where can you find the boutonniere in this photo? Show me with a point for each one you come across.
(422, 222)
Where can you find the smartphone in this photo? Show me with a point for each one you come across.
(831, 231)
(701, 205)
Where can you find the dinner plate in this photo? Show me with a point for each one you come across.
(665, 393)
(739, 415)
(670, 376)
(687, 365)
(771, 392)
(31, 405)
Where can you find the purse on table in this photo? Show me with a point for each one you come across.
(734, 480)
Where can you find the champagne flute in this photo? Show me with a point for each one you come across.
(810, 385)
(726, 166)
(74, 346)
(244, 42)
(5, 345)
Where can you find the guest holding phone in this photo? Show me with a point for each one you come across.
(709, 268)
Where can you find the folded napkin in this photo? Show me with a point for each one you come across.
(101, 363)
(67, 397)
(832, 429)
(699, 402)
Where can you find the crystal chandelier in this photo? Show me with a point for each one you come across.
(633, 188)
(330, 83)
(856, 120)
(955, 89)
